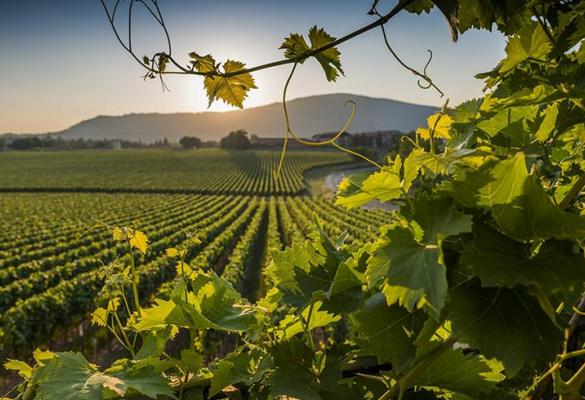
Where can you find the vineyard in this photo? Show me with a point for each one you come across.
(54, 246)
(206, 171)
(214, 275)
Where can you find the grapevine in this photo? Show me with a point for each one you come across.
(475, 280)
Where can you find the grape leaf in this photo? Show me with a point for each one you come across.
(383, 185)
(531, 42)
(420, 6)
(241, 367)
(457, 372)
(155, 317)
(146, 381)
(203, 64)
(501, 120)
(295, 46)
(411, 258)
(297, 273)
(217, 305)
(70, 374)
(293, 375)
(21, 368)
(233, 89)
(139, 241)
(439, 124)
(439, 219)
(507, 324)
(410, 264)
(317, 270)
(500, 261)
(291, 325)
(517, 201)
(548, 123)
(388, 332)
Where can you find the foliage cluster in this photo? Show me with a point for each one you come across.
(190, 142)
(237, 140)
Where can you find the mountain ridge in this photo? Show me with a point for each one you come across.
(309, 115)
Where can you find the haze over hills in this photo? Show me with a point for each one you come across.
(309, 115)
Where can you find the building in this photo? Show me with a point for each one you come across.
(345, 140)
(378, 140)
(273, 143)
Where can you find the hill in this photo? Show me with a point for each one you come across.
(310, 115)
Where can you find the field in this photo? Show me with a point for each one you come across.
(54, 246)
(204, 171)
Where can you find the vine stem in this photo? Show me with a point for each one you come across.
(134, 281)
(186, 71)
(306, 324)
(544, 381)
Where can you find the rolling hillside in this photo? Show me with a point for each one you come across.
(310, 115)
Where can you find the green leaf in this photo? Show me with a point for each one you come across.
(203, 64)
(297, 273)
(439, 219)
(500, 261)
(420, 6)
(71, 376)
(20, 367)
(346, 278)
(217, 305)
(459, 373)
(233, 89)
(154, 342)
(293, 375)
(548, 123)
(501, 120)
(507, 324)
(146, 381)
(308, 272)
(295, 46)
(383, 185)
(388, 332)
(191, 360)
(291, 324)
(531, 42)
(241, 367)
(100, 317)
(409, 264)
(155, 317)
(515, 198)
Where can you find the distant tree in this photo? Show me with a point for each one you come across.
(189, 142)
(2, 143)
(27, 143)
(235, 140)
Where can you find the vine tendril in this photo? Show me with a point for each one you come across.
(332, 141)
(424, 76)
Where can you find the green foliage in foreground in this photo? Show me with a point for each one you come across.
(486, 254)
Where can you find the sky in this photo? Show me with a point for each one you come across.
(60, 62)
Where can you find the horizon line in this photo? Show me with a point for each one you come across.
(211, 112)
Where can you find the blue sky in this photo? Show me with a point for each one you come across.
(60, 63)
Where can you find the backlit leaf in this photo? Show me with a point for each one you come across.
(230, 89)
